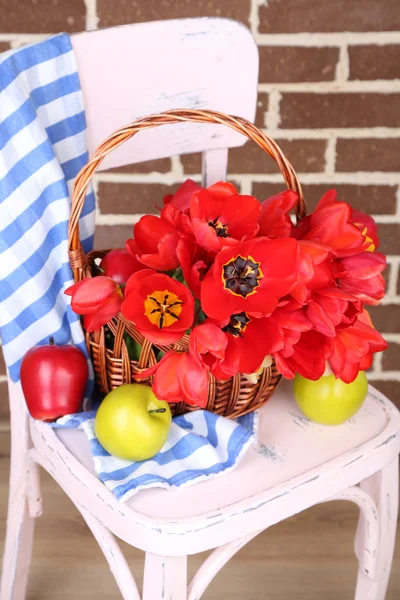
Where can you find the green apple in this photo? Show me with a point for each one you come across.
(328, 400)
(132, 423)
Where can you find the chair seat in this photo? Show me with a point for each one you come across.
(291, 452)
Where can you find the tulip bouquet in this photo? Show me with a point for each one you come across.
(246, 285)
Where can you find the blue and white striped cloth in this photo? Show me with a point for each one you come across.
(200, 446)
(42, 148)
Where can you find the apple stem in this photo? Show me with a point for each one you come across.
(158, 410)
(51, 340)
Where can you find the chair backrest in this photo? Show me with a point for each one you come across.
(141, 69)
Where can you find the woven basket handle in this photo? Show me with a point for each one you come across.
(77, 256)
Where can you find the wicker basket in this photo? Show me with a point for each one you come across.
(113, 366)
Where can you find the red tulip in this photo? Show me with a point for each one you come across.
(331, 224)
(119, 264)
(178, 377)
(368, 228)
(161, 307)
(207, 345)
(331, 307)
(360, 275)
(250, 340)
(99, 299)
(181, 198)
(236, 346)
(177, 219)
(221, 217)
(352, 348)
(304, 354)
(154, 243)
(314, 270)
(274, 219)
(192, 261)
(249, 277)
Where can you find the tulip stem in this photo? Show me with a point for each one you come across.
(158, 410)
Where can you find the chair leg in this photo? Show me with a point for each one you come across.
(165, 578)
(20, 529)
(383, 487)
(112, 552)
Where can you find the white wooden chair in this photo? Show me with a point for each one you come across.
(141, 69)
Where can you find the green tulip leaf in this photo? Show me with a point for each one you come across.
(133, 347)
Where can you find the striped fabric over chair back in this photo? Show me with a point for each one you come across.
(42, 148)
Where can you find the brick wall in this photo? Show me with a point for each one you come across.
(329, 93)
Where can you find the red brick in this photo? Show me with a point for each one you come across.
(391, 357)
(386, 274)
(108, 236)
(308, 110)
(261, 191)
(386, 318)
(374, 62)
(279, 64)
(162, 165)
(2, 363)
(306, 156)
(132, 198)
(389, 235)
(44, 16)
(391, 389)
(4, 46)
(373, 199)
(262, 107)
(136, 11)
(4, 406)
(367, 155)
(294, 16)
(191, 163)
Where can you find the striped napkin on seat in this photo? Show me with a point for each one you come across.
(200, 446)
(42, 148)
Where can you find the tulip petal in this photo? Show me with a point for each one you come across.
(320, 319)
(361, 266)
(350, 372)
(205, 338)
(133, 281)
(166, 384)
(364, 221)
(108, 310)
(181, 198)
(89, 293)
(370, 291)
(308, 358)
(206, 236)
(274, 218)
(215, 301)
(193, 380)
(223, 189)
(148, 231)
(241, 214)
(205, 206)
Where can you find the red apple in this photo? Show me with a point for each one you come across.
(53, 380)
(119, 264)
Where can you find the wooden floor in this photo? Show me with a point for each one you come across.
(309, 557)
